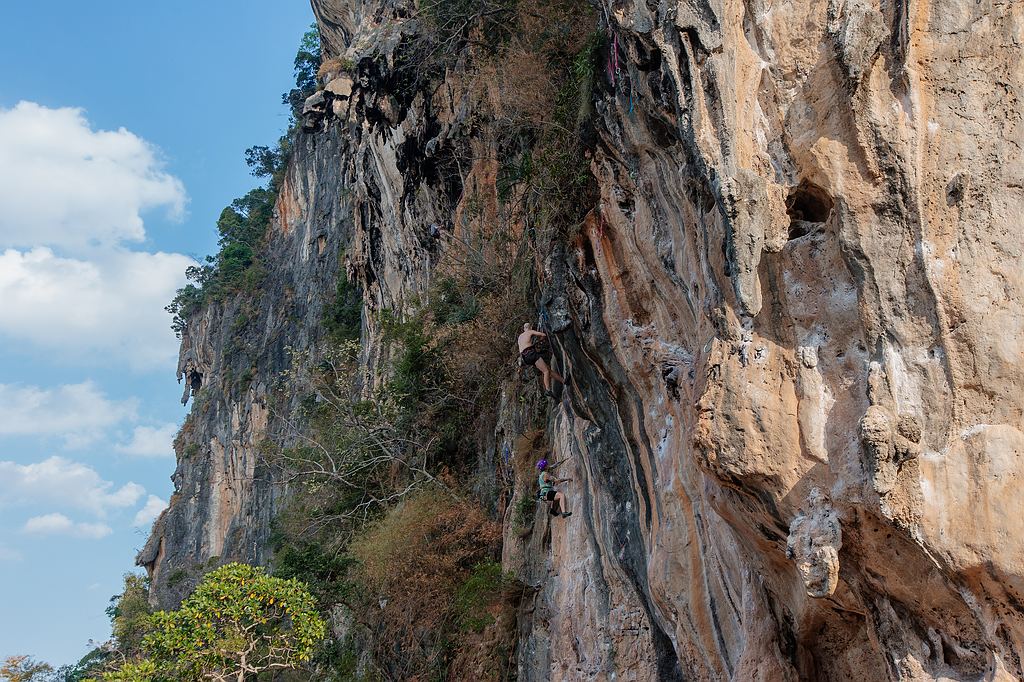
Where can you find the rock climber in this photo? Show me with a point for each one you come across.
(531, 356)
(547, 490)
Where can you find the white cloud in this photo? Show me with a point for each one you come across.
(61, 482)
(77, 412)
(150, 441)
(152, 509)
(108, 308)
(58, 524)
(64, 184)
(72, 197)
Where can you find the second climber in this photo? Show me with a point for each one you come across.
(556, 498)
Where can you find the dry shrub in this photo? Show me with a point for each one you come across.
(412, 563)
(489, 266)
(529, 448)
(523, 73)
(529, 181)
(486, 655)
(519, 81)
(333, 67)
(482, 293)
(536, 87)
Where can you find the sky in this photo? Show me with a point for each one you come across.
(123, 127)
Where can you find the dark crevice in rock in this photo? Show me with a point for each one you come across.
(808, 203)
(647, 58)
(663, 133)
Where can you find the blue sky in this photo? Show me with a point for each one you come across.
(123, 127)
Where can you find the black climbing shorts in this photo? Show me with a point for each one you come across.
(530, 356)
(550, 496)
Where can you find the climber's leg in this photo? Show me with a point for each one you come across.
(560, 501)
(548, 374)
(545, 373)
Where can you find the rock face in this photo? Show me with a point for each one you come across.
(231, 359)
(794, 215)
(792, 329)
(803, 281)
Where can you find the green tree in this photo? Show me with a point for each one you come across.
(263, 161)
(238, 622)
(143, 670)
(129, 614)
(90, 665)
(307, 63)
(25, 669)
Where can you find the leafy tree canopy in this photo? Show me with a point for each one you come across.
(307, 63)
(25, 669)
(237, 623)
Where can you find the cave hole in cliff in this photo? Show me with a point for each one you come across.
(807, 203)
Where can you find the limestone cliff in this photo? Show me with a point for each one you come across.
(791, 327)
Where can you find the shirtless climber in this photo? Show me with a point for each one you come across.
(547, 490)
(532, 357)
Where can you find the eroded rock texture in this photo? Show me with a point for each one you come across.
(792, 330)
(231, 362)
(363, 197)
(809, 221)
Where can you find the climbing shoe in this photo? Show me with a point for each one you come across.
(564, 514)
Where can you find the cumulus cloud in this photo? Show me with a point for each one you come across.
(152, 509)
(61, 482)
(108, 307)
(72, 198)
(58, 524)
(77, 412)
(150, 441)
(64, 184)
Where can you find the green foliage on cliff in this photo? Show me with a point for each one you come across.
(525, 510)
(479, 591)
(307, 63)
(344, 315)
(378, 520)
(416, 372)
(553, 59)
(238, 622)
(243, 224)
(129, 614)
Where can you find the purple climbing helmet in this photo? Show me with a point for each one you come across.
(542, 464)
